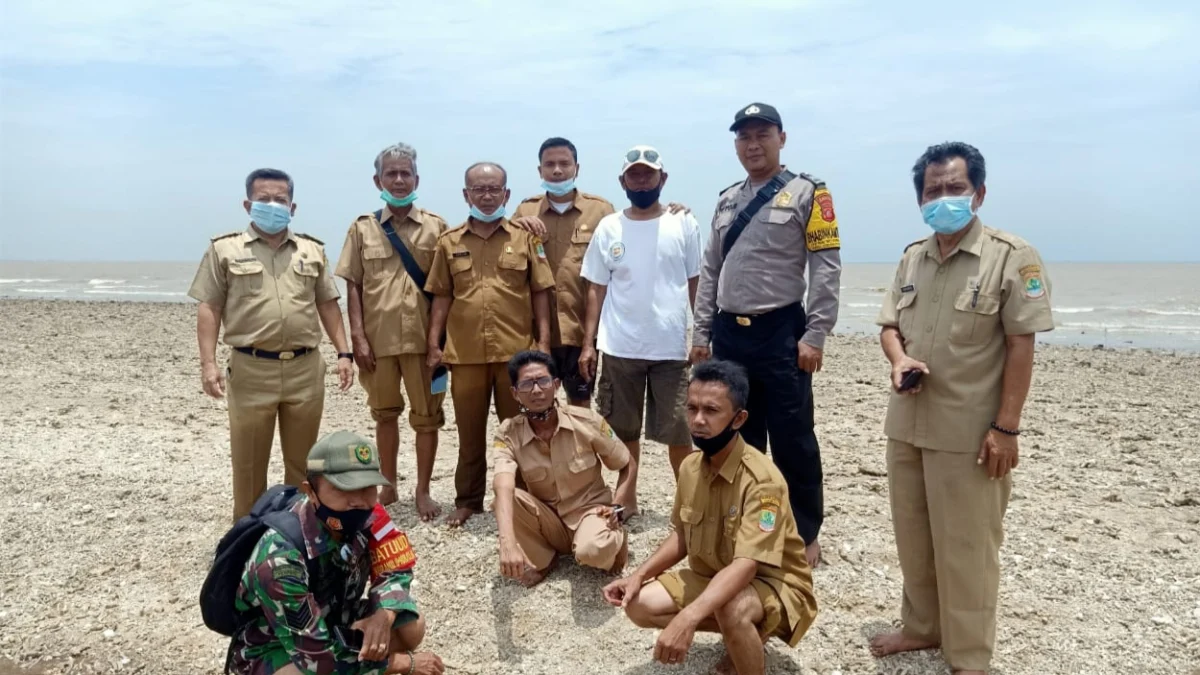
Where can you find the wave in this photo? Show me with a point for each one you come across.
(1166, 312)
(28, 281)
(864, 305)
(103, 288)
(41, 290)
(1128, 328)
(1074, 310)
(105, 282)
(118, 292)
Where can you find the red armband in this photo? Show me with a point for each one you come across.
(390, 548)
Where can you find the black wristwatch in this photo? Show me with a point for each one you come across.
(346, 355)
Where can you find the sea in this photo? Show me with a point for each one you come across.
(1114, 305)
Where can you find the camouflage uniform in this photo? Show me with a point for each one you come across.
(290, 625)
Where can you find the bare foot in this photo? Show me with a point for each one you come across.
(388, 496)
(886, 644)
(427, 509)
(813, 553)
(725, 666)
(460, 516)
(532, 578)
(622, 557)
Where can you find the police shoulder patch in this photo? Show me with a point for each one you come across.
(817, 182)
(226, 235)
(310, 238)
(821, 233)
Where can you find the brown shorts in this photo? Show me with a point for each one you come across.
(621, 395)
(684, 586)
(386, 401)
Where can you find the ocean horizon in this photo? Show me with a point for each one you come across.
(1132, 305)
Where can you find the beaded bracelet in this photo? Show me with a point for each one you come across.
(1006, 432)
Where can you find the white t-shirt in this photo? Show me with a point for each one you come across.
(646, 265)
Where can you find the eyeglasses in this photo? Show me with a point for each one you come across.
(526, 386)
(486, 190)
(637, 153)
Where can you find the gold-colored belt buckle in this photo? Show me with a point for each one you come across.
(743, 321)
(287, 356)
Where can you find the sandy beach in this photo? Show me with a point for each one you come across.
(115, 478)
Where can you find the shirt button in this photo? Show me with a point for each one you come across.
(928, 329)
(936, 298)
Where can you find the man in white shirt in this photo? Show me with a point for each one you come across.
(643, 264)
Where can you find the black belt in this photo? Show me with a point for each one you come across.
(772, 318)
(278, 356)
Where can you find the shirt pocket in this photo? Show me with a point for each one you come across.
(579, 243)
(905, 312)
(782, 231)
(306, 274)
(513, 269)
(582, 461)
(693, 527)
(976, 318)
(462, 272)
(540, 482)
(245, 277)
(378, 261)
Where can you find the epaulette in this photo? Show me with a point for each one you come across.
(726, 188)
(817, 182)
(451, 230)
(227, 235)
(1010, 239)
(365, 216)
(310, 238)
(530, 200)
(915, 243)
(756, 464)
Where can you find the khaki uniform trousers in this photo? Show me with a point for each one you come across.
(948, 519)
(542, 535)
(472, 387)
(259, 391)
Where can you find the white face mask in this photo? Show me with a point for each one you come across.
(561, 208)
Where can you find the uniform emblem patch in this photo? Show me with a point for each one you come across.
(363, 453)
(821, 233)
(606, 429)
(783, 199)
(617, 251)
(768, 513)
(541, 251)
(1031, 278)
(752, 110)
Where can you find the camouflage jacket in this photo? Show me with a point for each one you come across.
(290, 625)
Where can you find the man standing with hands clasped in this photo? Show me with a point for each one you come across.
(958, 328)
(768, 298)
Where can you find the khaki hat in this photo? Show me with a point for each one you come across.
(347, 460)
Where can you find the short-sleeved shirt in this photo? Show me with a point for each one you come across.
(742, 511)
(268, 297)
(566, 473)
(953, 315)
(646, 266)
(286, 620)
(491, 281)
(395, 310)
(790, 252)
(566, 239)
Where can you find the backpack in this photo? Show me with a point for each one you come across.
(219, 593)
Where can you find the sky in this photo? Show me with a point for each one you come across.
(127, 127)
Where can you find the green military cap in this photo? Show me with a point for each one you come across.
(347, 460)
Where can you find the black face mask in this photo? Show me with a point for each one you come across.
(643, 199)
(715, 444)
(346, 523)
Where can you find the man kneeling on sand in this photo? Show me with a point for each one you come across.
(565, 506)
(746, 576)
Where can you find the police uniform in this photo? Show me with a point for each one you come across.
(750, 306)
(290, 615)
(566, 240)
(742, 511)
(953, 315)
(395, 313)
(491, 282)
(268, 303)
(558, 512)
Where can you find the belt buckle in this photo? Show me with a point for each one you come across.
(287, 356)
(743, 321)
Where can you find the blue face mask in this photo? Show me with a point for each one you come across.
(559, 189)
(483, 217)
(398, 202)
(270, 218)
(948, 214)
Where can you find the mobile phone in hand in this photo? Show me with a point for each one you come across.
(349, 638)
(911, 379)
(441, 375)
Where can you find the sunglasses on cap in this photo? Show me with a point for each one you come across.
(638, 154)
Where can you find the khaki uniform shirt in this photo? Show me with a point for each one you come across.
(564, 474)
(268, 297)
(491, 281)
(395, 310)
(566, 240)
(767, 267)
(742, 511)
(953, 315)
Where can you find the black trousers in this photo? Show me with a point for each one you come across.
(781, 403)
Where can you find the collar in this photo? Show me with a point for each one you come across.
(414, 214)
(730, 467)
(316, 538)
(972, 242)
(504, 225)
(544, 203)
(746, 183)
(252, 234)
(523, 431)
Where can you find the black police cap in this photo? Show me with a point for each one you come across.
(756, 111)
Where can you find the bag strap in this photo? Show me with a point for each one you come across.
(765, 194)
(410, 263)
